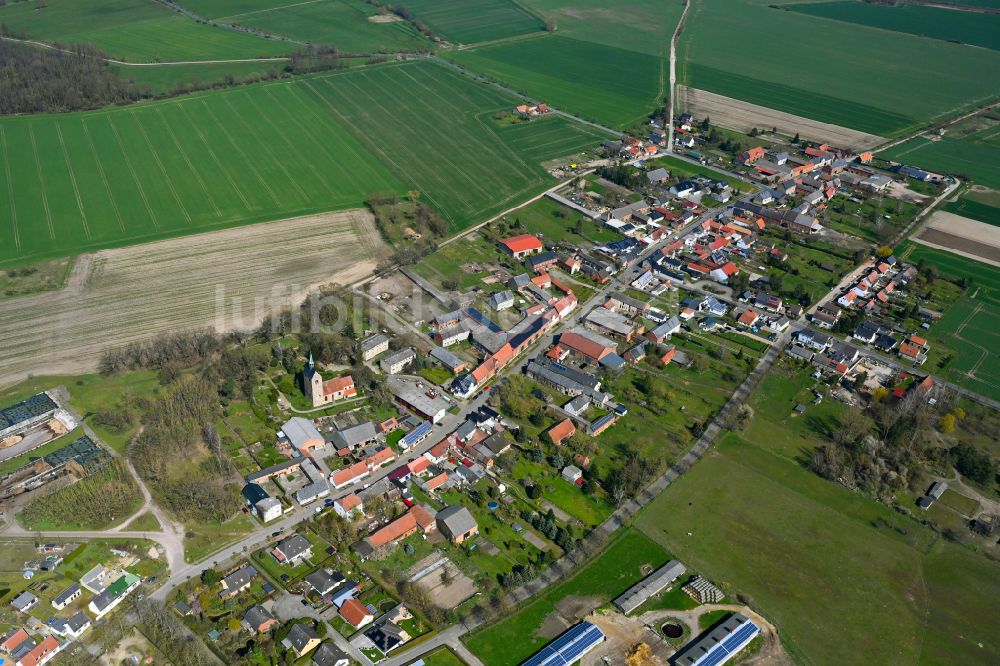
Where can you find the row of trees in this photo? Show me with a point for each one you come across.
(185, 348)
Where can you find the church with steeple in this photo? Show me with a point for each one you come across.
(327, 392)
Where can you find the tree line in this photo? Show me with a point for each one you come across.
(104, 498)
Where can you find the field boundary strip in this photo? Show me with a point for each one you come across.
(215, 158)
(131, 168)
(72, 180)
(41, 181)
(100, 171)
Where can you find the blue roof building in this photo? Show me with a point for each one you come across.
(721, 643)
(569, 648)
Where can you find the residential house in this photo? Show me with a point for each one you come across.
(238, 581)
(327, 654)
(258, 619)
(24, 602)
(349, 506)
(664, 330)
(302, 639)
(292, 550)
(417, 518)
(41, 653)
(562, 431)
(67, 596)
(572, 473)
(113, 594)
(396, 363)
(70, 627)
(373, 346)
(456, 523)
(502, 300)
(324, 581)
(451, 335)
(356, 613)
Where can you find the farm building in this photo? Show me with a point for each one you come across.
(521, 246)
(652, 584)
(448, 361)
(456, 523)
(569, 648)
(721, 643)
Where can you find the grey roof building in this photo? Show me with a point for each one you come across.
(324, 581)
(396, 363)
(299, 638)
(354, 436)
(66, 596)
(293, 548)
(502, 300)
(299, 431)
(256, 616)
(24, 602)
(239, 579)
(373, 346)
(652, 584)
(456, 523)
(327, 654)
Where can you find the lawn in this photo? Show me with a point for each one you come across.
(134, 30)
(604, 83)
(768, 528)
(262, 152)
(516, 637)
(883, 82)
(203, 539)
(554, 222)
(147, 522)
(937, 23)
(470, 21)
(975, 157)
(680, 169)
(341, 23)
(442, 657)
(968, 331)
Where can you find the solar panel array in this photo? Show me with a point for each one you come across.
(414, 435)
(26, 410)
(724, 650)
(569, 647)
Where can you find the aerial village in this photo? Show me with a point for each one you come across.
(526, 381)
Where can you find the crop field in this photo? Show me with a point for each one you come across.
(602, 83)
(552, 136)
(643, 26)
(936, 23)
(830, 79)
(808, 555)
(976, 156)
(342, 23)
(970, 329)
(265, 152)
(975, 210)
(134, 30)
(165, 78)
(228, 279)
(470, 21)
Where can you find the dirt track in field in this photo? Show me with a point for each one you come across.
(743, 116)
(227, 280)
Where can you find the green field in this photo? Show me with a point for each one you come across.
(976, 156)
(806, 553)
(470, 21)
(134, 30)
(603, 83)
(842, 73)
(945, 24)
(970, 329)
(975, 210)
(264, 152)
(342, 23)
(165, 78)
(516, 637)
(643, 26)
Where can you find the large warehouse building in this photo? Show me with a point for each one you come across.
(651, 585)
(721, 643)
(569, 648)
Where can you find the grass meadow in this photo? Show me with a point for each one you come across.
(610, 85)
(851, 75)
(470, 21)
(134, 30)
(516, 637)
(264, 152)
(969, 331)
(934, 22)
(342, 23)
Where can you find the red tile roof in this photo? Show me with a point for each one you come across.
(586, 346)
(349, 502)
(39, 652)
(337, 384)
(354, 612)
(522, 243)
(561, 431)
